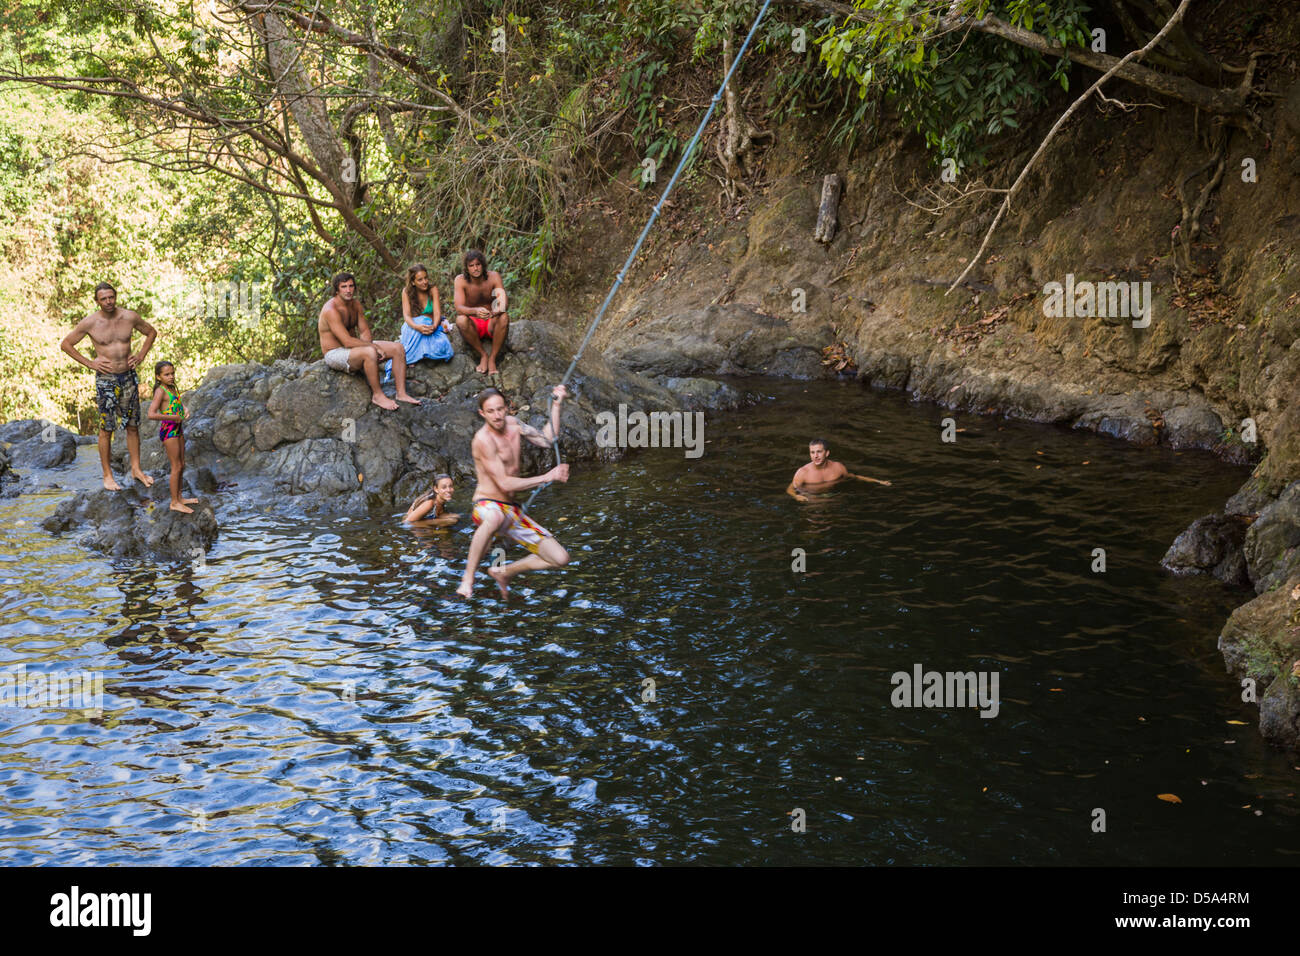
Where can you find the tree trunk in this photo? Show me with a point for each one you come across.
(308, 109)
(828, 212)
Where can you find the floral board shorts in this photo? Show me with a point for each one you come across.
(516, 527)
(117, 394)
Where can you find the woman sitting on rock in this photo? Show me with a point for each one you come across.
(424, 331)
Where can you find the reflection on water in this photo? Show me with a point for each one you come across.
(314, 692)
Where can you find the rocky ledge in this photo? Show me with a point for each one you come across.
(306, 437)
(1255, 542)
(298, 437)
(135, 522)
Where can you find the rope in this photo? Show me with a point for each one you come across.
(687, 156)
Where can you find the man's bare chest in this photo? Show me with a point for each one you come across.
(104, 332)
(478, 294)
(507, 451)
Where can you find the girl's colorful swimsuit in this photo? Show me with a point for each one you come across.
(168, 430)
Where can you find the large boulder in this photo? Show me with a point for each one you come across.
(309, 438)
(1211, 544)
(699, 394)
(135, 523)
(1272, 545)
(23, 429)
(48, 448)
(1260, 644)
(20, 430)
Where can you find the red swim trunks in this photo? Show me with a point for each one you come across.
(481, 325)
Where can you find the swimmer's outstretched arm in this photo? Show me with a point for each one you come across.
(865, 478)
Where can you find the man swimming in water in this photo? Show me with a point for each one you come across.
(820, 473)
(496, 462)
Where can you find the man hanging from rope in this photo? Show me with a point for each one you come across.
(496, 462)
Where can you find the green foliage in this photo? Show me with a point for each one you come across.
(430, 183)
(651, 137)
(956, 88)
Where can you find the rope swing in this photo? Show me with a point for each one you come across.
(687, 155)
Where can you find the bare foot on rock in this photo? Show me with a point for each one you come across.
(183, 509)
(383, 401)
(189, 501)
(466, 590)
(481, 368)
(110, 483)
(141, 477)
(403, 397)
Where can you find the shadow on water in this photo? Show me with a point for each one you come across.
(315, 693)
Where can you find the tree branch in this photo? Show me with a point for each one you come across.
(1074, 107)
(1221, 102)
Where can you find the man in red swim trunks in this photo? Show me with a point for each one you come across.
(496, 460)
(481, 310)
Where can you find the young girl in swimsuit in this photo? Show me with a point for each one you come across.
(430, 509)
(167, 409)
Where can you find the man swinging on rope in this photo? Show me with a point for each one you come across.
(496, 462)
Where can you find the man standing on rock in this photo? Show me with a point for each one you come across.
(496, 462)
(346, 343)
(481, 310)
(117, 388)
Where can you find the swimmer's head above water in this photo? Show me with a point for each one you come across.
(818, 451)
(443, 489)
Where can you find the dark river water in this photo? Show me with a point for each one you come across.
(315, 693)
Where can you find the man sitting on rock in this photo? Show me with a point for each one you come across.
(820, 473)
(481, 310)
(117, 388)
(346, 343)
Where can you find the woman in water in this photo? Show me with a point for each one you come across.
(430, 509)
(424, 331)
(167, 409)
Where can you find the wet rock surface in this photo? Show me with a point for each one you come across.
(34, 443)
(135, 522)
(1213, 545)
